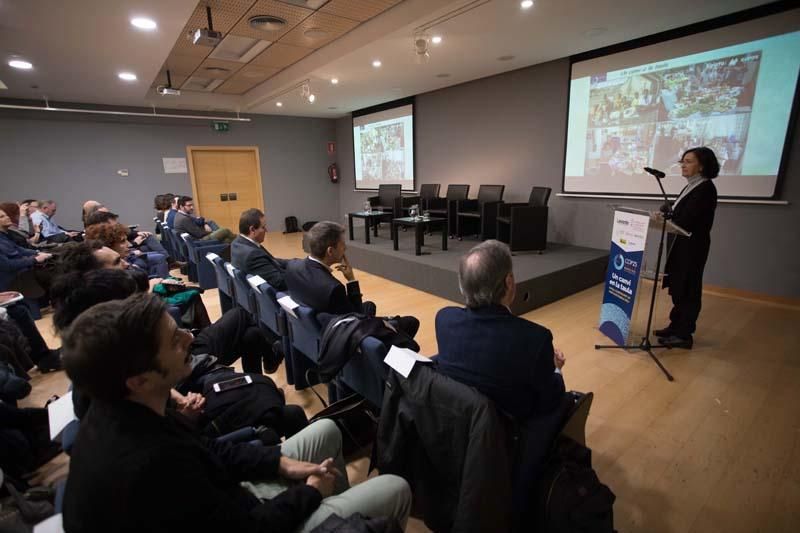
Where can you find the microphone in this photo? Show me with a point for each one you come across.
(657, 173)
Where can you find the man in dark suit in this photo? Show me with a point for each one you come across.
(186, 222)
(311, 282)
(248, 254)
(509, 359)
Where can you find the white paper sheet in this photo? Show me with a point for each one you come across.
(174, 165)
(54, 524)
(403, 360)
(289, 305)
(60, 413)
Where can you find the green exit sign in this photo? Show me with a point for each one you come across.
(220, 126)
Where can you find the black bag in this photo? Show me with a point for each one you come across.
(291, 224)
(356, 421)
(572, 498)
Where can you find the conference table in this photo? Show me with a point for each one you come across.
(419, 224)
(371, 218)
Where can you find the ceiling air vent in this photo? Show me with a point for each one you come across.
(267, 23)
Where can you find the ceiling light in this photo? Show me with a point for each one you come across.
(305, 93)
(311, 98)
(334, 81)
(377, 63)
(436, 39)
(525, 4)
(279, 104)
(421, 41)
(127, 76)
(315, 33)
(20, 64)
(144, 23)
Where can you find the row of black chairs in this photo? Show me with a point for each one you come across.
(523, 225)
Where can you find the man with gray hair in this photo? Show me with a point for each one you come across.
(509, 359)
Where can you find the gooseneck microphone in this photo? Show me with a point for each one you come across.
(657, 173)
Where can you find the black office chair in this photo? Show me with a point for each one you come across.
(479, 216)
(523, 226)
(445, 207)
(388, 200)
(427, 192)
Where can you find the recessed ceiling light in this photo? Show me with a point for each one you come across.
(144, 23)
(279, 104)
(505, 58)
(525, 4)
(127, 76)
(334, 80)
(311, 98)
(20, 64)
(436, 39)
(377, 63)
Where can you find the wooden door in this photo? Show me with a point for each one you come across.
(225, 181)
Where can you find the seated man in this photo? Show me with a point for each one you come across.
(134, 465)
(509, 359)
(186, 222)
(248, 254)
(140, 240)
(310, 281)
(51, 232)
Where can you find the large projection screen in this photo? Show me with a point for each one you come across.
(383, 147)
(731, 89)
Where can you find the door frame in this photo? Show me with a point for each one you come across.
(190, 149)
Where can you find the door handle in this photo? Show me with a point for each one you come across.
(232, 196)
(223, 197)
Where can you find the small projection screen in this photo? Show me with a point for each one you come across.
(383, 146)
(731, 89)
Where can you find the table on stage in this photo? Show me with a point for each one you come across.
(371, 218)
(419, 224)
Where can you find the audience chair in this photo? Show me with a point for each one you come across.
(202, 270)
(272, 316)
(479, 216)
(574, 425)
(445, 207)
(243, 295)
(224, 282)
(523, 226)
(388, 199)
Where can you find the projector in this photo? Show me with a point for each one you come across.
(206, 37)
(163, 90)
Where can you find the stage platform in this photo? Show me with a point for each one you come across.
(560, 271)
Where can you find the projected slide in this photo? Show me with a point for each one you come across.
(383, 145)
(735, 99)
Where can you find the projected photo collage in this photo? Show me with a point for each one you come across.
(648, 117)
(383, 153)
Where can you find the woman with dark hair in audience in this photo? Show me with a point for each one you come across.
(18, 235)
(693, 210)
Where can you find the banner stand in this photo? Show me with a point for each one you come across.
(628, 242)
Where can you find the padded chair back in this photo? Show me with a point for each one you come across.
(575, 424)
(305, 332)
(224, 282)
(539, 196)
(428, 191)
(457, 192)
(388, 193)
(491, 193)
(242, 294)
(270, 312)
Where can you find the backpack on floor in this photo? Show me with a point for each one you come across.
(291, 225)
(572, 498)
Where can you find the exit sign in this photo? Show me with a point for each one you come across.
(220, 126)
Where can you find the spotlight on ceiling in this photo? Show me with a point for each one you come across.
(335, 81)
(279, 104)
(377, 63)
(127, 76)
(20, 64)
(436, 39)
(526, 4)
(144, 23)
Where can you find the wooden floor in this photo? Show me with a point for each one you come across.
(718, 449)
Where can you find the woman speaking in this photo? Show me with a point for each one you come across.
(693, 210)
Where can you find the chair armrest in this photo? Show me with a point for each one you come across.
(505, 208)
(437, 203)
(206, 244)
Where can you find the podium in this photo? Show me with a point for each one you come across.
(629, 244)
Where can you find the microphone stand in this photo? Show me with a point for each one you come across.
(646, 345)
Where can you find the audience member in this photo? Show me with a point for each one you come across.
(310, 281)
(135, 466)
(15, 259)
(17, 234)
(169, 215)
(249, 255)
(26, 208)
(52, 232)
(186, 222)
(140, 240)
(89, 207)
(115, 236)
